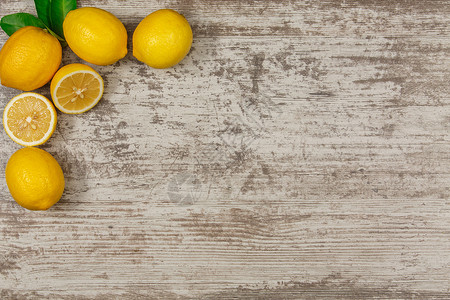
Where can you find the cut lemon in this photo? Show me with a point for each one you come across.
(29, 119)
(76, 88)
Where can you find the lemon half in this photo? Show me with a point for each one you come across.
(29, 119)
(76, 88)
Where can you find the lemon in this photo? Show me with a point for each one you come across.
(29, 119)
(95, 35)
(34, 178)
(29, 59)
(76, 88)
(162, 39)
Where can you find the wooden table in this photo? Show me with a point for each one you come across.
(300, 151)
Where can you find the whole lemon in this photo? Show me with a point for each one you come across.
(34, 178)
(162, 39)
(95, 35)
(29, 59)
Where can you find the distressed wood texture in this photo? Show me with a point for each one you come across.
(300, 151)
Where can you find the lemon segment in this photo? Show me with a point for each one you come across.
(95, 35)
(29, 119)
(76, 88)
(162, 39)
(29, 59)
(34, 178)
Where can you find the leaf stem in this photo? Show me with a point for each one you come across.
(54, 34)
(60, 39)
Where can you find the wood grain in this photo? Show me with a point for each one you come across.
(300, 151)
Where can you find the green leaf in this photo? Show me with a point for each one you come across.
(12, 23)
(43, 10)
(58, 12)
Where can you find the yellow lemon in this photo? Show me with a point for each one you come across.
(34, 178)
(95, 35)
(29, 119)
(29, 59)
(162, 39)
(76, 88)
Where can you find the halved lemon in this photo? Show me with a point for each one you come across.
(76, 88)
(29, 119)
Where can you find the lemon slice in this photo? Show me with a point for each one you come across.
(29, 119)
(76, 88)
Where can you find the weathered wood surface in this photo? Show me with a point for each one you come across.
(300, 151)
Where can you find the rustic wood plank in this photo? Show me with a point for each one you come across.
(301, 150)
